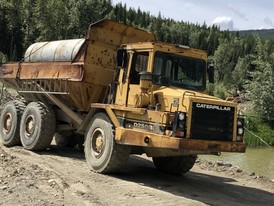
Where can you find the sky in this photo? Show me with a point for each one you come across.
(228, 14)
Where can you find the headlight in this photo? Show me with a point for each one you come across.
(239, 123)
(240, 131)
(182, 116)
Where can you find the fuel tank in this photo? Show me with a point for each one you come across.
(64, 50)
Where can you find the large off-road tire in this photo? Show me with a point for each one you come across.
(175, 165)
(37, 126)
(102, 153)
(10, 123)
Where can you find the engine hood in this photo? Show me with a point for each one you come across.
(173, 99)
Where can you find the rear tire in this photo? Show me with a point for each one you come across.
(37, 126)
(103, 154)
(175, 165)
(10, 123)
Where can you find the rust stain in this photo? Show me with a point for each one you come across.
(7, 71)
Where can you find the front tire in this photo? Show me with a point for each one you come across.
(37, 126)
(103, 154)
(175, 165)
(10, 123)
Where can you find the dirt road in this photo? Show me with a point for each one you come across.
(59, 176)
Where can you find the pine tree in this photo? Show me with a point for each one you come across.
(261, 84)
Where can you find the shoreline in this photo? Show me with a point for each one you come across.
(233, 171)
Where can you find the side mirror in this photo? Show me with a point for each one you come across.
(210, 73)
(121, 58)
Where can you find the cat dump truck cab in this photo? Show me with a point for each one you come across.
(118, 92)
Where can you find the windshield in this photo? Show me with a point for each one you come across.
(179, 71)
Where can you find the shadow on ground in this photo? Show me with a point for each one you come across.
(209, 189)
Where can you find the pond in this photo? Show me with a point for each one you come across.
(258, 160)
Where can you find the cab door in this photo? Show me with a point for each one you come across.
(122, 83)
(129, 78)
(140, 62)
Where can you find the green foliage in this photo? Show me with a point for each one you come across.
(3, 58)
(220, 91)
(210, 89)
(260, 85)
(240, 74)
(264, 34)
(51, 19)
(40, 20)
(10, 10)
(258, 129)
(25, 22)
(82, 13)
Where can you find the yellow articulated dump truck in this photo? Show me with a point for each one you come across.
(119, 91)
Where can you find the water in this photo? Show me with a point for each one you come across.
(258, 160)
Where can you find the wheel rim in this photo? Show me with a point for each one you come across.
(7, 123)
(97, 143)
(29, 127)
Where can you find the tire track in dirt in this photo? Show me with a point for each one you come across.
(82, 187)
(24, 183)
(65, 172)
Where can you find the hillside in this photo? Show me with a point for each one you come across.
(265, 34)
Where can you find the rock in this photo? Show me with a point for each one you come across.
(239, 170)
(30, 185)
(272, 180)
(235, 169)
(220, 163)
(3, 155)
(227, 164)
(252, 174)
(51, 182)
(203, 166)
(3, 187)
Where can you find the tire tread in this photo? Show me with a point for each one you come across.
(119, 155)
(48, 122)
(19, 108)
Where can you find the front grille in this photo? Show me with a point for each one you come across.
(212, 122)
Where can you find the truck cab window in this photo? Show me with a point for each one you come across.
(179, 71)
(139, 64)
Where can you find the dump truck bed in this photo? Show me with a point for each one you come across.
(78, 71)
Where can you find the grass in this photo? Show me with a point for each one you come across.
(260, 129)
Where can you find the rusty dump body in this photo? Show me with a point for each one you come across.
(78, 71)
(125, 92)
